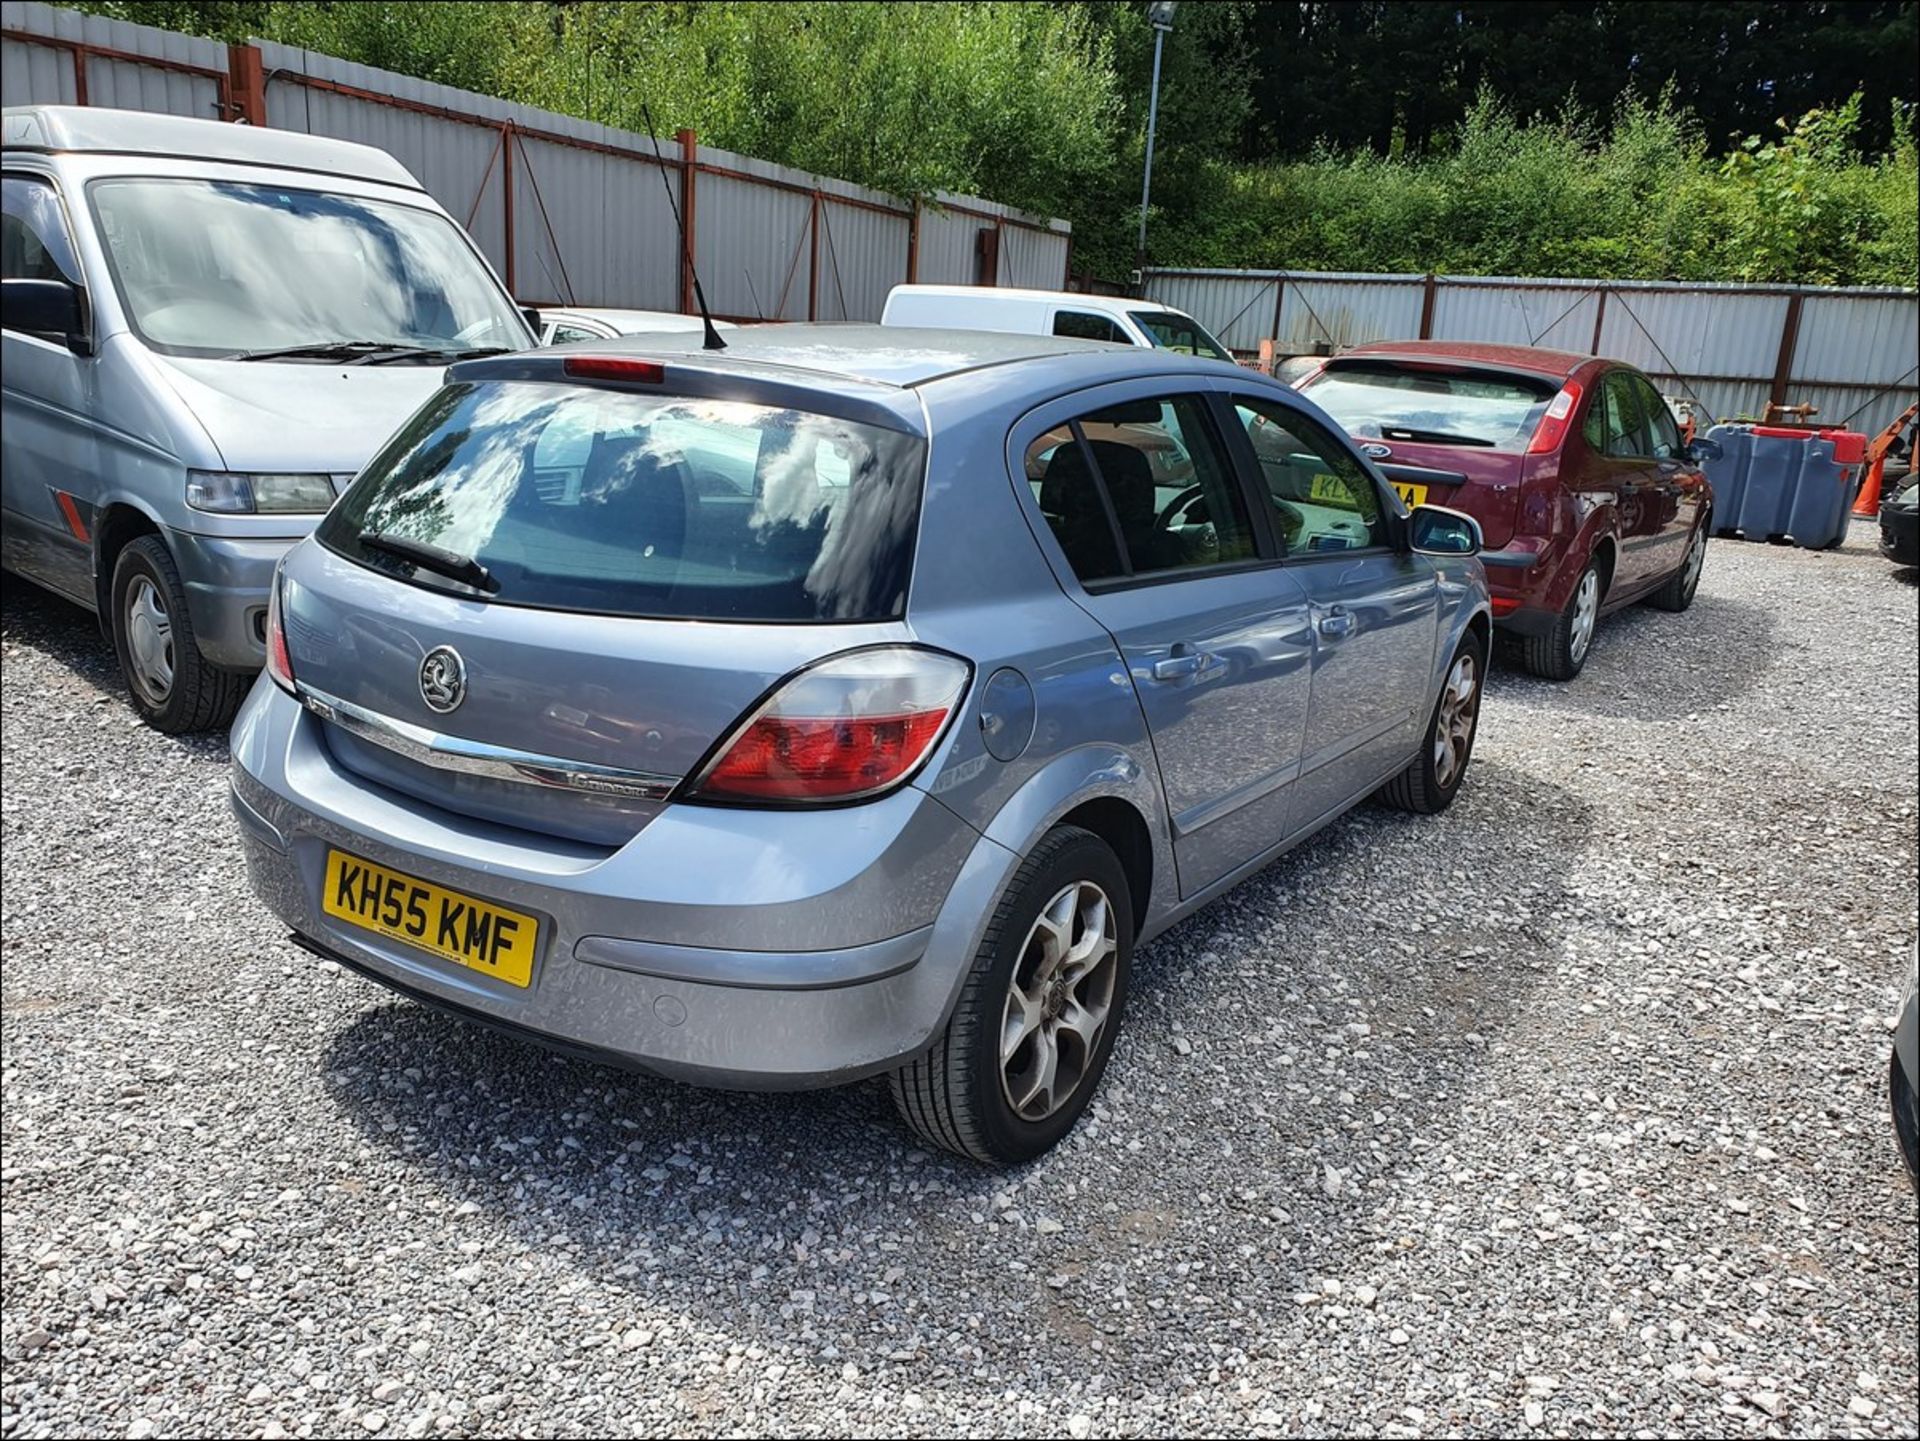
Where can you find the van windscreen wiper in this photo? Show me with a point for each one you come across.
(463, 568)
(367, 352)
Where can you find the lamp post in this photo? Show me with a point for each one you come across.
(1160, 16)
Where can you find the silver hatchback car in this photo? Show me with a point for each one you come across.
(849, 701)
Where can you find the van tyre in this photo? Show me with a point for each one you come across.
(1561, 652)
(1429, 784)
(1030, 1035)
(172, 685)
(1676, 594)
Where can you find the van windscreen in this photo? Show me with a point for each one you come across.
(572, 498)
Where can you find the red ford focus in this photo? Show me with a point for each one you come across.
(1572, 464)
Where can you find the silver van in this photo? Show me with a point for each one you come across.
(208, 329)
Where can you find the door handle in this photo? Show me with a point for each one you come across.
(1337, 624)
(1183, 661)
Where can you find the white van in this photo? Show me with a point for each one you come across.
(1050, 312)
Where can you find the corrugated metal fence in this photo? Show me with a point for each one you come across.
(567, 211)
(1854, 354)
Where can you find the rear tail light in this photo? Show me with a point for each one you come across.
(1553, 425)
(1505, 604)
(279, 661)
(849, 728)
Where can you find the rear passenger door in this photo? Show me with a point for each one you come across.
(1675, 500)
(1618, 435)
(1148, 528)
(1374, 606)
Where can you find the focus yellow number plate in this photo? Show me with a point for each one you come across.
(485, 938)
(1412, 495)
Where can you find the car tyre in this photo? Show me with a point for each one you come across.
(1049, 980)
(1906, 1123)
(1676, 594)
(1429, 784)
(173, 686)
(1561, 652)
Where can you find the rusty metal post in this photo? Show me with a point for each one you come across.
(689, 156)
(913, 243)
(1279, 295)
(1789, 341)
(1599, 318)
(506, 201)
(1427, 302)
(247, 85)
(79, 75)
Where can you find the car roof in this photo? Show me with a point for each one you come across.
(1530, 359)
(866, 373)
(88, 129)
(892, 355)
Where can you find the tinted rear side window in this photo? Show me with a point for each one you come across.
(624, 504)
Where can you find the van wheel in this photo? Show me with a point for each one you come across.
(1429, 785)
(1023, 1051)
(173, 687)
(1562, 651)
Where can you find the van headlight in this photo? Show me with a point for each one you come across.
(225, 492)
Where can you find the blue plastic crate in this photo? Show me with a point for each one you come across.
(1779, 487)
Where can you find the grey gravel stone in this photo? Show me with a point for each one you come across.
(1498, 1074)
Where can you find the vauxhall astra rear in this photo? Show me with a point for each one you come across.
(848, 701)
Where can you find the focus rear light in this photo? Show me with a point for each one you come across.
(848, 728)
(1505, 604)
(1553, 425)
(279, 660)
(602, 367)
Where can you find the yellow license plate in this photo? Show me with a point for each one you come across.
(1410, 495)
(486, 938)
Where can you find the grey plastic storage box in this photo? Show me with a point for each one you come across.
(1770, 484)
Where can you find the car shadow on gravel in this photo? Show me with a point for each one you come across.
(70, 635)
(1292, 1062)
(1647, 666)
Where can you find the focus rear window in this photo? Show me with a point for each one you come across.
(1387, 401)
(623, 504)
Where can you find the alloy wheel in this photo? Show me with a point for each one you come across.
(150, 640)
(1059, 999)
(1453, 731)
(1586, 610)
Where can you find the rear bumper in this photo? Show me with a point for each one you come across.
(735, 949)
(227, 581)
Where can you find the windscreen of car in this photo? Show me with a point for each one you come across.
(1182, 333)
(623, 504)
(1426, 402)
(217, 268)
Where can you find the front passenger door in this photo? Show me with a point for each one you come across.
(1375, 607)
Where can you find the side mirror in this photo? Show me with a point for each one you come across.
(44, 307)
(1436, 530)
(1700, 450)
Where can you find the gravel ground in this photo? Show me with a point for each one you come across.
(1564, 1112)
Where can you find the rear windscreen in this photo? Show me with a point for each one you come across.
(611, 502)
(1390, 401)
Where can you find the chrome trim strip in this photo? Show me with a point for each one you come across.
(477, 758)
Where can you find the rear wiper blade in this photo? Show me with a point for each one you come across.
(463, 568)
(1431, 437)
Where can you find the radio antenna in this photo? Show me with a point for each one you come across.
(713, 341)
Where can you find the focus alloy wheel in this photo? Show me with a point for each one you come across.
(1058, 1000)
(1586, 612)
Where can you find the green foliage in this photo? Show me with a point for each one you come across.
(1524, 140)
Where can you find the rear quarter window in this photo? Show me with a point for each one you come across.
(610, 502)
